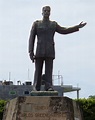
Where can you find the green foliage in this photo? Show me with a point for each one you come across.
(92, 96)
(88, 108)
(2, 104)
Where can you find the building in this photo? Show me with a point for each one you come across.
(10, 91)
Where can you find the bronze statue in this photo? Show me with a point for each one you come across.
(45, 52)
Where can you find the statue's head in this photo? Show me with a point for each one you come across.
(46, 11)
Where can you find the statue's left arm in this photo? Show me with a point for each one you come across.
(65, 30)
(32, 41)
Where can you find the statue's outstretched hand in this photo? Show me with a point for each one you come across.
(82, 24)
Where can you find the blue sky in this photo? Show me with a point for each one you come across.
(75, 53)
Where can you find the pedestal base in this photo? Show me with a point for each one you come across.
(42, 108)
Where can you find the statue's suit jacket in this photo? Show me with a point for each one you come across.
(45, 31)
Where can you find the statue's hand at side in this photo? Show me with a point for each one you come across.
(32, 56)
(82, 24)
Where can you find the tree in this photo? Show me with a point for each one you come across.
(92, 96)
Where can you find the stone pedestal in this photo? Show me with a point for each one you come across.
(42, 108)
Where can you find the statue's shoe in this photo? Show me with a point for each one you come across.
(50, 89)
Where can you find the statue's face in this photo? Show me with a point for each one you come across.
(46, 12)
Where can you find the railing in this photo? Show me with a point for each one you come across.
(57, 80)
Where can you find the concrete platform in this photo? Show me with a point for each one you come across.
(42, 108)
(44, 93)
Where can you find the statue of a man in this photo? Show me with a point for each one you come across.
(45, 51)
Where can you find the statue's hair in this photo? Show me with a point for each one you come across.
(45, 7)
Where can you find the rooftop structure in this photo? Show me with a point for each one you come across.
(10, 91)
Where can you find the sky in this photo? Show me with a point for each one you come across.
(75, 53)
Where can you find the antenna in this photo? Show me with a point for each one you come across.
(28, 74)
(58, 77)
(9, 76)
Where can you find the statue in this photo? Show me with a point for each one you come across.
(45, 51)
